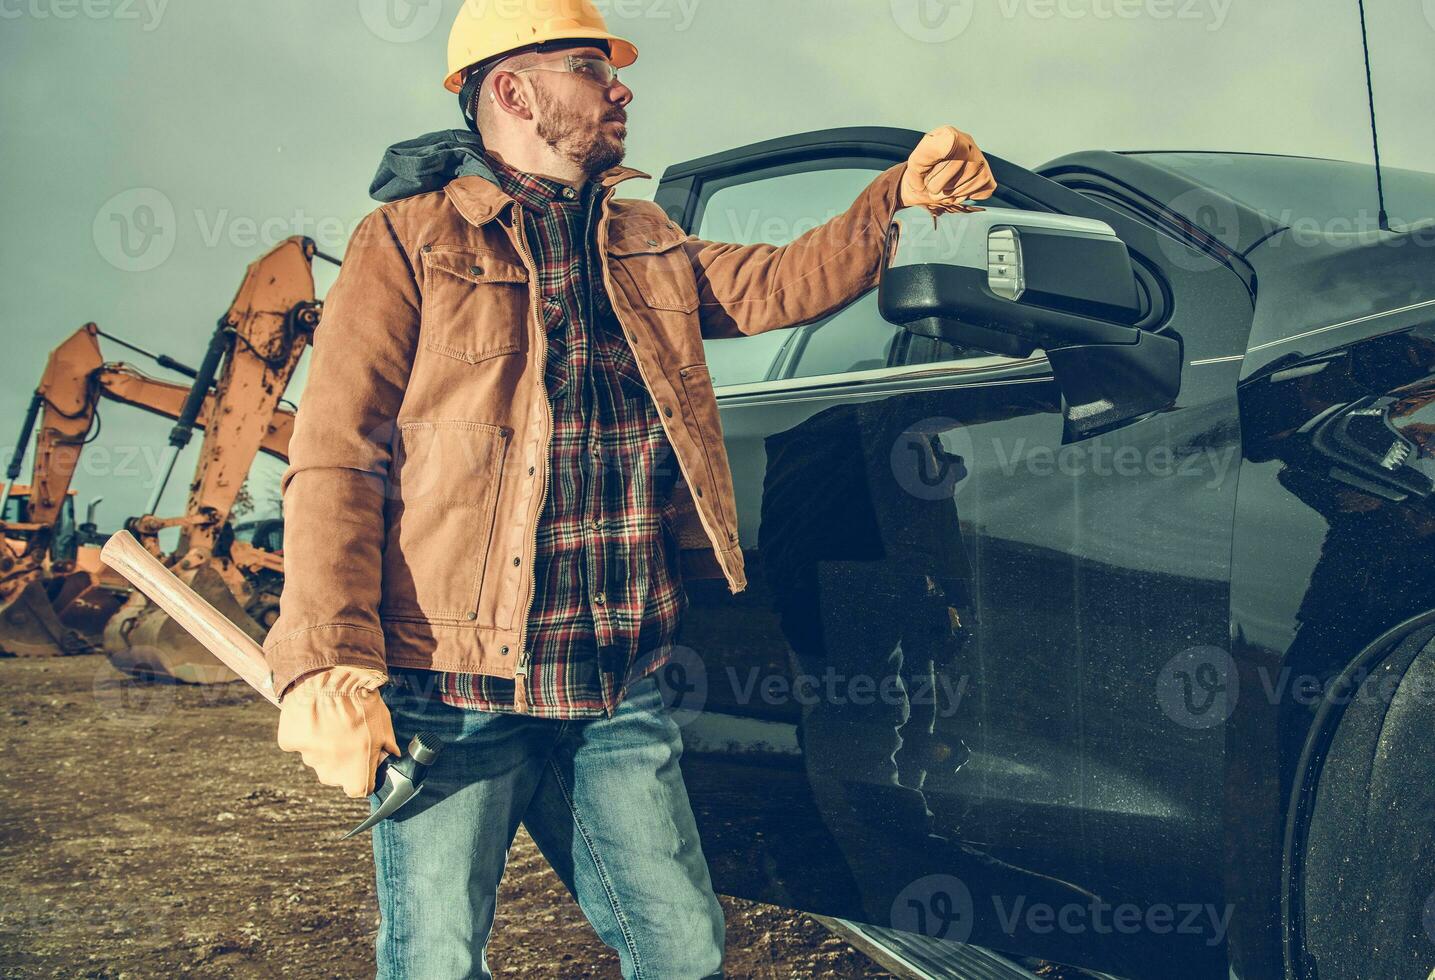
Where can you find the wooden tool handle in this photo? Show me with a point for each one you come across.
(221, 637)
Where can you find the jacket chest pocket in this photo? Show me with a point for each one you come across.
(653, 257)
(475, 303)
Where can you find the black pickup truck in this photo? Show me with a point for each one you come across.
(1091, 613)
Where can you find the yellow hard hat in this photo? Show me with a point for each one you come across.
(487, 28)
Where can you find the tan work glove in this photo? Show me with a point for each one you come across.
(944, 169)
(340, 726)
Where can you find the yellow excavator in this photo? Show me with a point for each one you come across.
(55, 594)
(28, 624)
(235, 398)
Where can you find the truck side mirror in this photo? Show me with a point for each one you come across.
(1012, 282)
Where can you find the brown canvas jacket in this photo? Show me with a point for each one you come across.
(417, 471)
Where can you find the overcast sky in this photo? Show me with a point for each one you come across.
(211, 130)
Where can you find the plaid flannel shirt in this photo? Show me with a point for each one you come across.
(608, 594)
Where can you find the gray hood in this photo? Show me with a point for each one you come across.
(427, 163)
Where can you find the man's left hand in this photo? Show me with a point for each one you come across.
(945, 169)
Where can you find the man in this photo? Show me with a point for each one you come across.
(508, 390)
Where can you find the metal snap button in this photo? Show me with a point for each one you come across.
(699, 491)
(475, 270)
(470, 616)
(598, 598)
(652, 241)
(517, 560)
(503, 649)
(667, 411)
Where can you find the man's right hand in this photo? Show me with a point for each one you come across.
(335, 719)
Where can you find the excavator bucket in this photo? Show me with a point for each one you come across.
(30, 628)
(143, 641)
(84, 602)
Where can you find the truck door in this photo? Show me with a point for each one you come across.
(961, 694)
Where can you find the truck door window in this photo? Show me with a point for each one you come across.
(776, 209)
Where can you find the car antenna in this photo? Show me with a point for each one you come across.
(1374, 139)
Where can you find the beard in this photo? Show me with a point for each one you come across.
(592, 150)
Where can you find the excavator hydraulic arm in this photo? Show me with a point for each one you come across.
(261, 338)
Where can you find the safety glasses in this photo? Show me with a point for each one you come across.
(593, 69)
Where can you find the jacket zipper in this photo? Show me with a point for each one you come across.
(521, 694)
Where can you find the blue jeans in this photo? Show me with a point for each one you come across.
(602, 797)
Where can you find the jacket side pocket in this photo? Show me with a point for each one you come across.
(440, 515)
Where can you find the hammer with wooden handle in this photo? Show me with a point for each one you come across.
(399, 781)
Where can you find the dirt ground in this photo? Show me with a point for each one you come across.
(155, 830)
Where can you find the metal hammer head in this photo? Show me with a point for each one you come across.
(400, 780)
